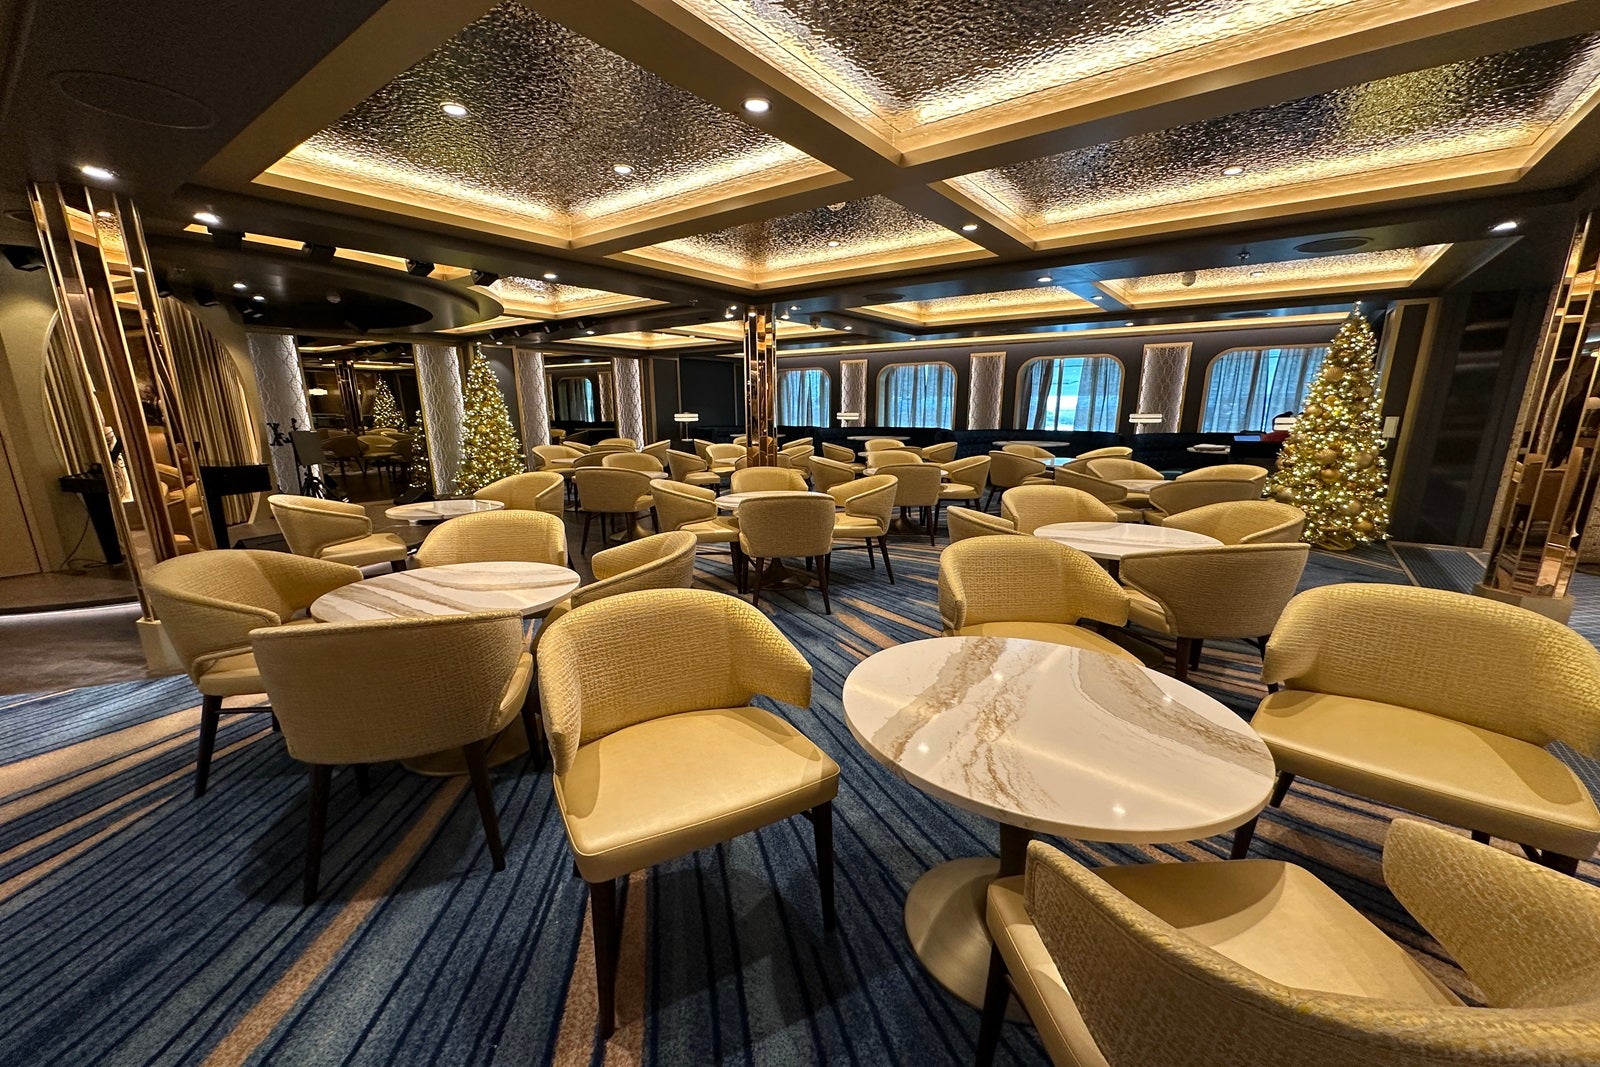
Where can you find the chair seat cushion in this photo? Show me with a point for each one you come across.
(1146, 612)
(1056, 633)
(719, 530)
(231, 676)
(857, 526)
(1038, 983)
(958, 491)
(665, 787)
(1039, 479)
(703, 478)
(1449, 770)
(1127, 514)
(373, 548)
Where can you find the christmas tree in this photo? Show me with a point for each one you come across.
(385, 412)
(489, 447)
(1331, 467)
(421, 468)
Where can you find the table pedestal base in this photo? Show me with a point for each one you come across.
(948, 932)
(780, 575)
(511, 743)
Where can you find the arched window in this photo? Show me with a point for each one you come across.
(805, 397)
(917, 394)
(1247, 387)
(575, 399)
(1069, 393)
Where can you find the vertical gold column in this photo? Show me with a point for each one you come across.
(760, 387)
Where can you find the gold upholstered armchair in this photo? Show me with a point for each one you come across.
(1230, 472)
(1028, 507)
(496, 537)
(210, 602)
(536, 491)
(1441, 703)
(842, 454)
(1243, 522)
(633, 461)
(868, 506)
(611, 492)
(1174, 498)
(917, 486)
(370, 692)
(1110, 494)
(767, 480)
(827, 473)
(788, 525)
(690, 469)
(967, 522)
(648, 773)
(941, 453)
(693, 509)
(1220, 592)
(334, 531)
(1029, 588)
(1259, 964)
(1007, 470)
(1118, 468)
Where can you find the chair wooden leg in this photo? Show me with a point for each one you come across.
(583, 547)
(996, 995)
(1194, 653)
(538, 750)
(888, 568)
(477, 754)
(655, 521)
(1180, 664)
(397, 566)
(1480, 837)
(822, 582)
(872, 559)
(1281, 790)
(210, 714)
(603, 924)
(1241, 840)
(760, 568)
(316, 827)
(1557, 862)
(931, 517)
(822, 834)
(363, 779)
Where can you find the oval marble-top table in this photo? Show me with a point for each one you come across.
(440, 510)
(454, 589)
(1119, 540)
(1139, 485)
(731, 501)
(1044, 738)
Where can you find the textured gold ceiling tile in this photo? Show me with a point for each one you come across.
(646, 339)
(552, 300)
(978, 307)
(1390, 269)
(1489, 116)
(869, 235)
(550, 114)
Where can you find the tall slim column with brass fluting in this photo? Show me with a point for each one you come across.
(761, 387)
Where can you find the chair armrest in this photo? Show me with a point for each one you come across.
(767, 663)
(1527, 935)
(622, 558)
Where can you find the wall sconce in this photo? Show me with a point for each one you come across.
(848, 417)
(1283, 424)
(316, 391)
(1146, 418)
(686, 417)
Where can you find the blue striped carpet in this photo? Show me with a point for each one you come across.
(140, 926)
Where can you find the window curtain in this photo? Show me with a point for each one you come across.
(803, 397)
(1080, 393)
(1248, 387)
(917, 394)
(575, 399)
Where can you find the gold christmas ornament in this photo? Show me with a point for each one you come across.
(1364, 460)
(1285, 496)
(1365, 529)
(1332, 373)
(1327, 456)
(1350, 507)
(489, 447)
(1329, 475)
(1337, 540)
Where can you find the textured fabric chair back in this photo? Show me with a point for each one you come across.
(766, 479)
(827, 473)
(1032, 506)
(878, 444)
(1242, 472)
(838, 453)
(1492, 665)
(918, 483)
(1007, 469)
(705, 650)
(972, 471)
(795, 524)
(1173, 498)
(368, 692)
(943, 452)
(679, 503)
(683, 464)
(555, 454)
(725, 454)
(1102, 490)
(870, 498)
(659, 450)
(893, 457)
(702, 448)
(633, 461)
(1225, 591)
(496, 537)
(966, 522)
(1111, 452)
(1244, 522)
(1031, 451)
(1024, 579)
(1116, 470)
(611, 489)
(616, 442)
(536, 491)
(310, 524)
(660, 561)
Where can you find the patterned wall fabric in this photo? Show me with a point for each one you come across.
(533, 399)
(608, 397)
(276, 363)
(439, 383)
(853, 388)
(988, 381)
(629, 400)
(1161, 379)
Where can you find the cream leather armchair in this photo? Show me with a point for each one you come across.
(1259, 964)
(1230, 591)
(1440, 703)
(766, 480)
(494, 537)
(1244, 522)
(371, 692)
(966, 522)
(1110, 494)
(868, 505)
(1029, 507)
(537, 491)
(648, 773)
(1007, 470)
(611, 492)
(691, 470)
(1173, 498)
(794, 525)
(334, 531)
(1029, 588)
(209, 603)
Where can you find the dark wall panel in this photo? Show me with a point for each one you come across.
(711, 389)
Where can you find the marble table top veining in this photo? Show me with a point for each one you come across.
(1119, 540)
(1058, 739)
(438, 510)
(454, 589)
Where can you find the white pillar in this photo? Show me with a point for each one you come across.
(443, 413)
(281, 387)
(629, 400)
(533, 398)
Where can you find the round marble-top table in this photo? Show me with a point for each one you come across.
(453, 589)
(731, 501)
(877, 437)
(1051, 739)
(1138, 485)
(440, 510)
(1115, 541)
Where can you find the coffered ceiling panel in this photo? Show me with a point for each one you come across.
(840, 240)
(1478, 122)
(1044, 300)
(560, 139)
(540, 299)
(919, 72)
(1358, 272)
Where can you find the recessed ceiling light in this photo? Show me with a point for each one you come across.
(1258, 273)
(622, 168)
(549, 275)
(1127, 324)
(757, 105)
(1097, 296)
(454, 110)
(969, 227)
(258, 298)
(102, 214)
(99, 174)
(240, 285)
(727, 314)
(208, 218)
(833, 244)
(588, 333)
(785, 315)
(1233, 170)
(849, 327)
(1044, 279)
(1504, 227)
(794, 307)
